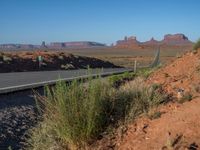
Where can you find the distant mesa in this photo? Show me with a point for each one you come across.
(54, 45)
(169, 40)
(18, 46)
(176, 39)
(82, 44)
(128, 42)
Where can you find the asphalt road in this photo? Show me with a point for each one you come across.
(10, 82)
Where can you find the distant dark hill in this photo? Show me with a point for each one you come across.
(18, 46)
(53, 45)
(28, 61)
(81, 44)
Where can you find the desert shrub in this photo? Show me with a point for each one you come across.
(196, 45)
(6, 58)
(156, 86)
(128, 75)
(140, 98)
(117, 80)
(153, 114)
(145, 72)
(76, 114)
(44, 137)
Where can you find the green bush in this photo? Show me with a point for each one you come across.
(117, 80)
(76, 114)
(144, 72)
(196, 45)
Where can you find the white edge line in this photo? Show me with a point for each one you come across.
(40, 84)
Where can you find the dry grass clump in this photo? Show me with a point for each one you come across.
(76, 114)
(142, 98)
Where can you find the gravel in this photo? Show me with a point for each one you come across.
(17, 114)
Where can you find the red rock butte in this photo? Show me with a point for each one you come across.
(169, 39)
(127, 42)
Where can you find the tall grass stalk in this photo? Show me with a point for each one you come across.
(75, 114)
(140, 98)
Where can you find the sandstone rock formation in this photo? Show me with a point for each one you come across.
(43, 45)
(176, 39)
(128, 42)
(169, 40)
(152, 42)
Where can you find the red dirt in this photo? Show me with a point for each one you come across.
(181, 123)
(179, 126)
(183, 73)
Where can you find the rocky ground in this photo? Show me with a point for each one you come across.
(17, 115)
(29, 61)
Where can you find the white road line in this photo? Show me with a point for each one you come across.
(38, 84)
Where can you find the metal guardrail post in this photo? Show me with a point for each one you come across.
(135, 66)
(156, 59)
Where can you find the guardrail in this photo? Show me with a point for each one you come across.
(52, 82)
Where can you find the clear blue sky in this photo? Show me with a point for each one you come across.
(33, 21)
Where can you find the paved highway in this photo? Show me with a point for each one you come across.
(10, 82)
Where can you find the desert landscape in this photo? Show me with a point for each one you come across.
(99, 75)
(167, 121)
(124, 53)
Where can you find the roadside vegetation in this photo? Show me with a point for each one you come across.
(75, 114)
(196, 45)
(117, 80)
